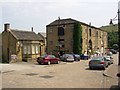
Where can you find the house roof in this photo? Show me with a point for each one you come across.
(25, 35)
(68, 21)
(62, 21)
(0, 39)
(43, 34)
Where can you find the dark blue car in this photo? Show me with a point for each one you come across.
(76, 57)
(84, 57)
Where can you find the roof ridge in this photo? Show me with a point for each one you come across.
(21, 30)
(74, 20)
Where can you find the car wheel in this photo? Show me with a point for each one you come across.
(39, 63)
(48, 62)
(58, 62)
(103, 68)
(90, 68)
(106, 66)
(111, 62)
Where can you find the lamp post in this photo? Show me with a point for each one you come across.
(111, 23)
(119, 35)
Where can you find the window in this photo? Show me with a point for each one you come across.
(29, 51)
(51, 56)
(63, 46)
(24, 49)
(60, 31)
(90, 32)
(96, 33)
(51, 42)
(33, 49)
(37, 49)
(60, 39)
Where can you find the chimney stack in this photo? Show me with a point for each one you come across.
(7, 27)
(32, 29)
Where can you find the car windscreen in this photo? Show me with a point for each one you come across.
(44, 56)
(97, 58)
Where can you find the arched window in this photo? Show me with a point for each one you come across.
(90, 32)
(90, 44)
(60, 31)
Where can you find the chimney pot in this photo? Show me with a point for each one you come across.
(7, 27)
(32, 29)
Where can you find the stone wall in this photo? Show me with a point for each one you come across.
(98, 37)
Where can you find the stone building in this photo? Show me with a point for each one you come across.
(20, 45)
(43, 36)
(62, 39)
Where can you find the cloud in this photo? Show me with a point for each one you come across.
(39, 13)
(88, 1)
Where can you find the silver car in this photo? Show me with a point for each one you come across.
(109, 59)
(98, 62)
(67, 57)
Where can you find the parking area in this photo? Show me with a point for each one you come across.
(63, 75)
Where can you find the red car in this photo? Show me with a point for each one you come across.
(48, 59)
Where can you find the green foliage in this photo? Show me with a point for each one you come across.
(77, 38)
(110, 28)
(112, 39)
(115, 46)
(112, 34)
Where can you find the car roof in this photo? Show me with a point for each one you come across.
(97, 58)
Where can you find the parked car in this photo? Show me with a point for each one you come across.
(48, 59)
(98, 62)
(113, 51)
(76, 57)
(109, 59)
(84, 57)
(109, 53)
(67, 57)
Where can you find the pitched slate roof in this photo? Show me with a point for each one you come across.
(68, 21)
(65, 21)
(42, 34)
(25, 35)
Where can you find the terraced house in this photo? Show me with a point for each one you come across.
(20, 45)
(60, 36)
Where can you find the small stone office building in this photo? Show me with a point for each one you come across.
(22, 45)
(92, 37)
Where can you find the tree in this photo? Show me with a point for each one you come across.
(112, 39)
(115, 46)
(77, 38)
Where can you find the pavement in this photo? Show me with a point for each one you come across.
(110, 79)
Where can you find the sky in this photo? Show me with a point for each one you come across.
(24, 14)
